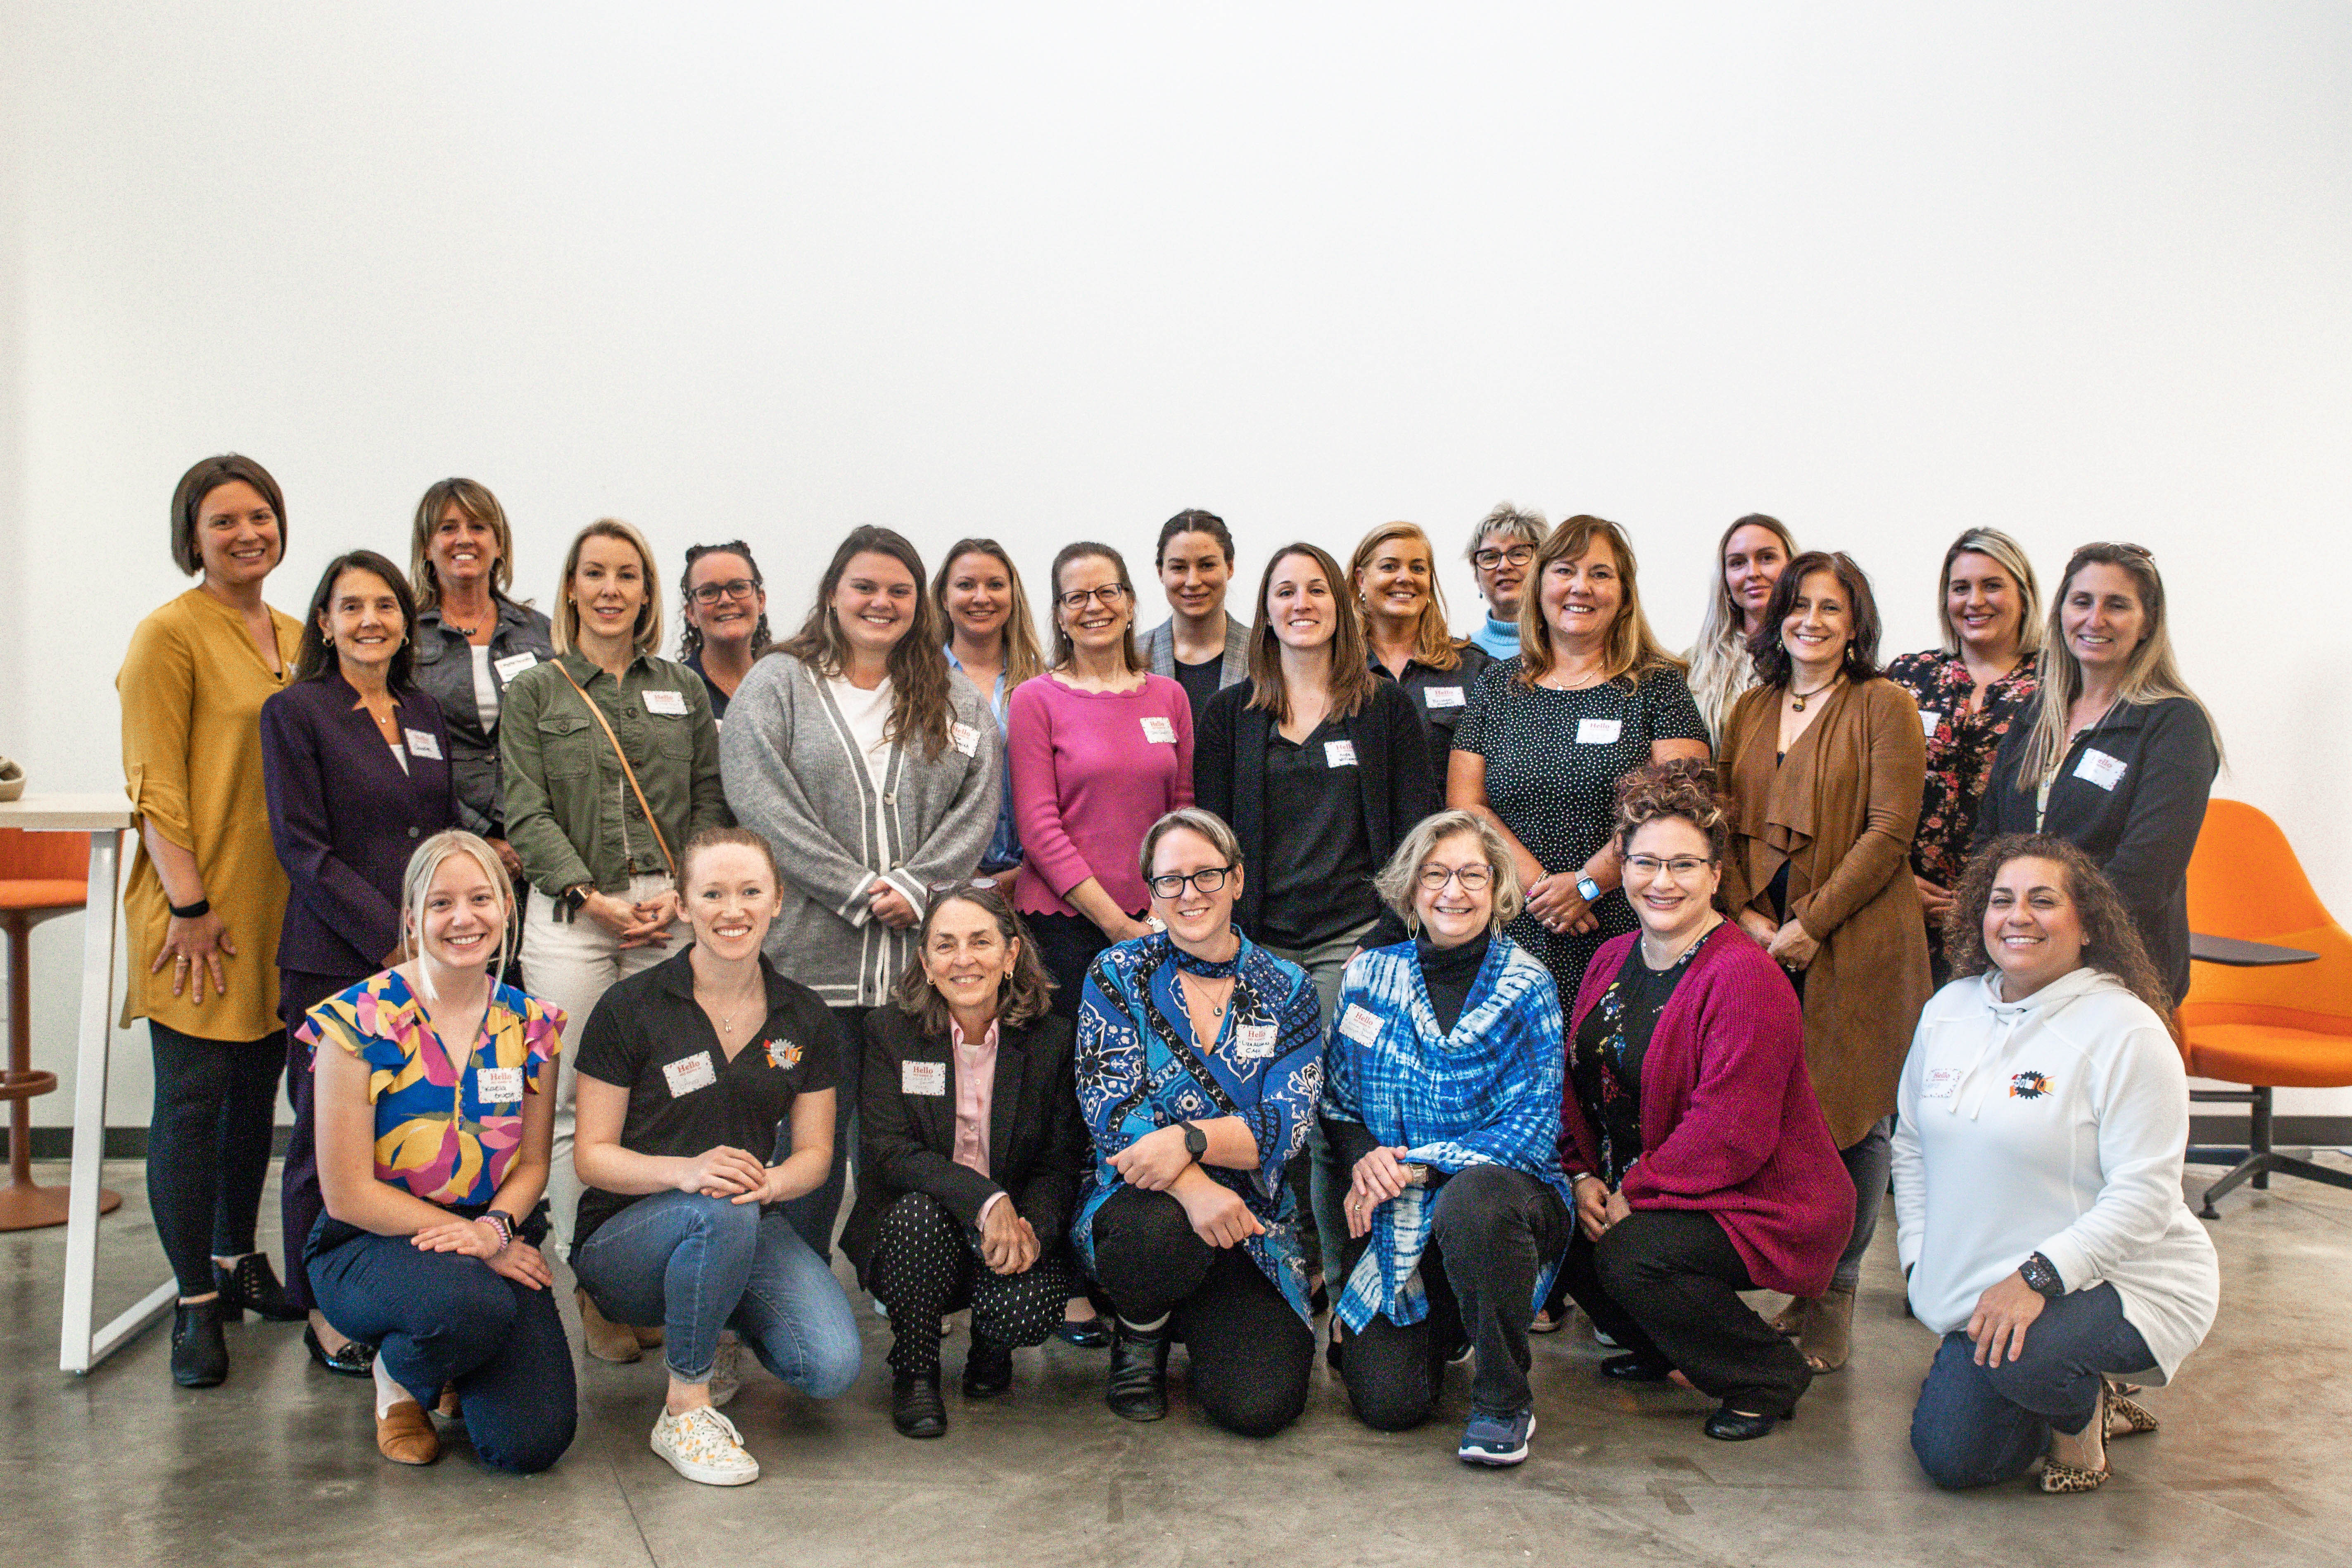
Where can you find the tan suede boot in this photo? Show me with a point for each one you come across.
(1827, 1339)
(606, 1340)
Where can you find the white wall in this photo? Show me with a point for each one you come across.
(2078, 271)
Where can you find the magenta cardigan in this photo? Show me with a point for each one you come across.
(1729, 1124)
(1090, 775)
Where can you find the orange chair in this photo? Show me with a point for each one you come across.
(2285, 1026)
(42, 875)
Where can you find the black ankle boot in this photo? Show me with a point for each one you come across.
(987, 1369)
(199, 1353)
(916, 1407)
(253, 1286)
(1139, 1373)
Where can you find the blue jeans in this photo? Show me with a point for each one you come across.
(814, 1212)
(1975, 1425)
(697, 1265)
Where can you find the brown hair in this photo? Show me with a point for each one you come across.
(1772, 661)
(1023, 995)
(1682, 790)
(1632, 648)
(1064, 649)
(1433, 645)
(921, 705)
(2151, 674)
(1351, 672)
(318, 656)
(689, 636)
(476, 502)
(1193, 520)
(188, 500)
(1024, 660)
(2110, 941)
(717, 838)
(565, 622)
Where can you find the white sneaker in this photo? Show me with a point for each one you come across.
(703, 1446)
(726, 1369)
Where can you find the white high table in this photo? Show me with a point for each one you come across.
(104, 817)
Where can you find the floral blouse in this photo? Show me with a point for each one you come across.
(1960, 747)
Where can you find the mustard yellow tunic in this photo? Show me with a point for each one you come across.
(191, 688)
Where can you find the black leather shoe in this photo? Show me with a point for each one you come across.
(1729, 1425)
(987, 1369)
(253, 1287)
(199, 1355)
(1632, 1368)
(1092, 1334)
(916, 1407)
(1138, 1374)
(354, 1359)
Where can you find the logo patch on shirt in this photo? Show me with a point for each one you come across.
(783, 1055)
(2029, 1086)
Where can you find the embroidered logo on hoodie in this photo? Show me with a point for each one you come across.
(2029, 1086)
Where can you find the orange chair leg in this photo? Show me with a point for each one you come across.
(24, 1205)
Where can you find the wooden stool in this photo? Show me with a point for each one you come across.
(42, 875)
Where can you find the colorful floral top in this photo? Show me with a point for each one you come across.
(447, 1142)
(1605, 1059)
(1960, 747)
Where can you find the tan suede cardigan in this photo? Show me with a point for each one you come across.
(1840, 811)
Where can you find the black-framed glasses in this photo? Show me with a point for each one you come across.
(1517, 555)
(1681, 867)
(1109, 597)
(733, 589)
(1473, 878)
(1208, 879)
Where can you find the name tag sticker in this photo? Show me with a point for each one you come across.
(1928, 720)
(1159, 732)
(1441, 695)
(672, 703)
(498, 1086)
(1339, 753)
(1599, 731)
(692, 1073)
(1253, 1042)
(922, 1078)
(1942, 1083)
(423, 743)
(965, 738)
(2101, 769)
(514, 664)
(1358, 1024)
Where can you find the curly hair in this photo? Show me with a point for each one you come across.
(1023, 995)
(2110, 941)
(921, 699)
(1683, 791)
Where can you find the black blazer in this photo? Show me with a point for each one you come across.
(344, 819)
(1036, 1139)
(2141, 832)
(1393, 770)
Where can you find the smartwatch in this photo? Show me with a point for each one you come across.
(1196, 1142)
(1587, 890)
(576, 899)
(2041, 1276)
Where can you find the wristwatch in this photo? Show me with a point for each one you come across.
(2041, 1275)
(1587, 890)
(1196, 1142)
(576, 899)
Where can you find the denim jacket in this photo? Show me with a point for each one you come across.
(444, 671)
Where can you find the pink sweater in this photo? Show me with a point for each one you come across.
(1729, 1124)
(1092, 771)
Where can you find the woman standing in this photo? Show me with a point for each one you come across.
(873, 773)
(1968, 691)
(723, 613)
(687, 1072)
(206, 978)
(1590, 697)
(1395, 581)
(1824, 763)
(992, 643)
(1101, 750)
(1200, 647)
(356, 761)
(2119, 755)
(611, 760)
(1441, 1100)
(471, 640)
(1199, 1063)
(1502, 547)
(1750, 559)
(2043, 1115)
(1701, 1163)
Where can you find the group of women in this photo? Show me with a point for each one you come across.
(1168, 989)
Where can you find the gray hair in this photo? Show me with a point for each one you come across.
(1512, 522)
(425, 863)
(1193, 819)
(1399, 878)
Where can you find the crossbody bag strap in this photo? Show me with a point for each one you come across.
(627, 771)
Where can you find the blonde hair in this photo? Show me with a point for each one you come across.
(1721, 666)
(1632, 648)
(565, 622)
(1196, 819)
(1401, 875)
(1023, 659)
(477, 503)
(2009, 556)
(1433, 645)
(2151, 674)
(425, 863)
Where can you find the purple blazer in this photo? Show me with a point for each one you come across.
(344, 818)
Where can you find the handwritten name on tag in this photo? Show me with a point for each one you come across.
(498, 1086)
(2101, 769)
(1599, 731)
(514, 664)
(1159, 732)
(689, 1074)
(965, 738)
(922, 1078)
(1360, 1025)
(423, 743)
(1339, 753)
(1442, 697)
(1253, 1042)
(672, 703)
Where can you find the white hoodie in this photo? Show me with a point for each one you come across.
(2054, 1125)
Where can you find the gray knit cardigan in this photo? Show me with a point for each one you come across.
(794, 772)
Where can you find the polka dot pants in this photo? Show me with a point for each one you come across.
(926, 1265)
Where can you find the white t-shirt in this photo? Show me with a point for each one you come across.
(867, 713)
(486, 688)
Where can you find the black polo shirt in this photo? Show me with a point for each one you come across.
(649, 1036)
(1441, 697)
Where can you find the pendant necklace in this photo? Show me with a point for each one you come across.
(1798, 698)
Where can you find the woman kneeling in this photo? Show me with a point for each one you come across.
(1442, 1100)
(435, 1109)
(687, 1072)
(1702, 1163)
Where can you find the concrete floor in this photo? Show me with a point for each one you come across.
(2253, 1466)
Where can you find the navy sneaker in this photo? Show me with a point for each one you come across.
(1497, 1439)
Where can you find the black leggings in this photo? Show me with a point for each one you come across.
(926, 1264)
(1067, 946)
(208, 1146)
(1250, 1352)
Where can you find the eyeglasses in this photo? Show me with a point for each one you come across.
(733, 589)
(1517, 555)
(1681, 867)
(1108, 596)
(1208, 879)
(1473, 878)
